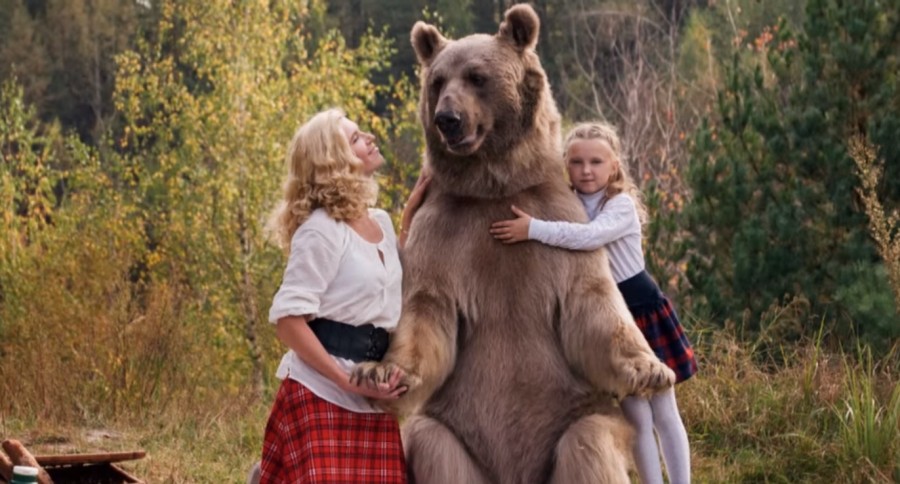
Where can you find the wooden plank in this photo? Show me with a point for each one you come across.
(6, 467)
(21, 457)
(99, 458)
(128, 477)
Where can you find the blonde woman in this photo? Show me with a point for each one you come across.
(337, 304)
(599, 175)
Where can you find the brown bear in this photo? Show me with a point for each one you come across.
(511, 353)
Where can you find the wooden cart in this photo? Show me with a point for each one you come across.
(99, 468)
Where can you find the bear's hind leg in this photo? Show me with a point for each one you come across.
(435, 456)
(593, 450)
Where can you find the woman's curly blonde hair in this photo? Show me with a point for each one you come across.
(621, 181)
(322, 172)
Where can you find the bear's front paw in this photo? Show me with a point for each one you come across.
(647, 376)
(375, 373)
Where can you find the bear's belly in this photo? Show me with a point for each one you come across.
(509, 400)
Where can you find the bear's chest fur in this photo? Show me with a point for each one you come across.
(507, 300)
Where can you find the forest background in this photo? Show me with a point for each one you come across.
(142, 146)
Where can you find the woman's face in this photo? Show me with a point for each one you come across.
(591, 164)
(363, 146)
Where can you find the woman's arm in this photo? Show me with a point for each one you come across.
(294, 331)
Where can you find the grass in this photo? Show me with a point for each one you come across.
(184, 446)
(817, 415)
(869, 422)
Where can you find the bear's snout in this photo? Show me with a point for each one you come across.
(450, 124)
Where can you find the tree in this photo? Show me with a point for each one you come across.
(27, 153)
(65, 250)
(774, 211)
(622, 64)
(63, 52)
(22, 52)
(208, 106)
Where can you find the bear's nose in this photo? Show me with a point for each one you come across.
(449, 123)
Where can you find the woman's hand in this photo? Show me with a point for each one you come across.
(416, 197)
(389, 389)
(294, 331)
(512, 230)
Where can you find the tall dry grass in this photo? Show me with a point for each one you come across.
(802, 412)
(82, 342)
(884, 224)
(820, 414)
(140, 368)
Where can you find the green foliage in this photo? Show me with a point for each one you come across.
(26, 178)
(774, 209)
(144, 255)
(206, 127)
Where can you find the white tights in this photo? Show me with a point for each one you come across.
(659, 412)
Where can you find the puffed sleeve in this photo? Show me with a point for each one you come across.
(312, 265)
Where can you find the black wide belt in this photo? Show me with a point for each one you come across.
(356, 343)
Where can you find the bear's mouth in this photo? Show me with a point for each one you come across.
(465, 145)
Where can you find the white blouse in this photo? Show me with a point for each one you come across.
(333, 273)
(617, 227)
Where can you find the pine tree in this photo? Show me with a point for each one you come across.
(774, 212)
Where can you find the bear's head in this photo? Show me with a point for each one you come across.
(491, 125)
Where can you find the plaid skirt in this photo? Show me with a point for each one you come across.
(659, 323)
(310, 440)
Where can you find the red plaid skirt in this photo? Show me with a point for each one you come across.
(310, 440)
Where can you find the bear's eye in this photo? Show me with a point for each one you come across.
(477, 79)
(437, 84)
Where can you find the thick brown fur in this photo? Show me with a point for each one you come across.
(512, 352)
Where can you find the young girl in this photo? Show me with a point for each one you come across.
(599, 176)
(337, 305)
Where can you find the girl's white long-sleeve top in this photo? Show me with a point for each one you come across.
(617, 226)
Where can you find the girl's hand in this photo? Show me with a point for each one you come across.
(416, 197)
(390, 389)
(513, 230)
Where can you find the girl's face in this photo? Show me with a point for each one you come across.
(591, 163)
(363, 146)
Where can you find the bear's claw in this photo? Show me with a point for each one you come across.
(375, 372)
(648, 376)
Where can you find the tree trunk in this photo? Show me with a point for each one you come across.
(251, 309)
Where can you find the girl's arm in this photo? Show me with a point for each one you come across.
(617, 219)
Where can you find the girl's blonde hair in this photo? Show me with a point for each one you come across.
(620, 181)
(322, 172)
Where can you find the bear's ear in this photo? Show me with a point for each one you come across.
(520, 27)
(426, 41)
